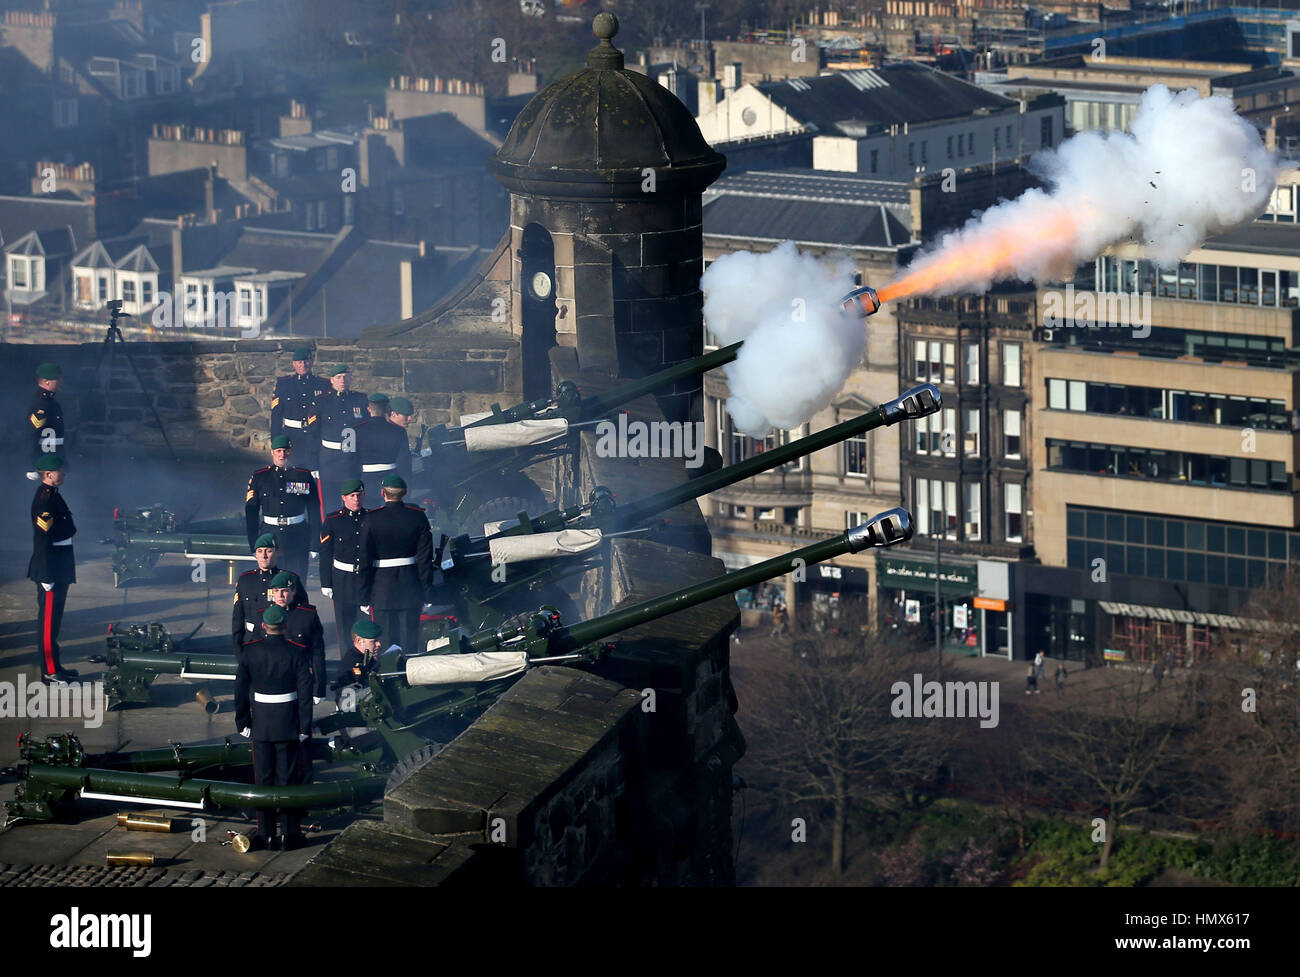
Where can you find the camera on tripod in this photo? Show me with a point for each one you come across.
(114, 306)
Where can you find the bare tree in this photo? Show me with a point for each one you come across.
(1120, 744)
(821, 729)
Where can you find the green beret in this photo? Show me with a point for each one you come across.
(302, 353)
(353, 485)
(393, 481)
(379, 398)
(49, 371)
(266, 539)
(283, 579)
(282, 441)
(401, 405)
(49, 463)
(366, 628)
(338, 368)
(274, 615)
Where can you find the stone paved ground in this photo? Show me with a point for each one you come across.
(72, 851)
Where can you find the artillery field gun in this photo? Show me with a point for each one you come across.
(407, 705)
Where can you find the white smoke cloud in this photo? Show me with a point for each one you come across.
(799, 349)
(1190, 168)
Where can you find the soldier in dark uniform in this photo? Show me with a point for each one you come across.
(250, 592)
(284, 499)
(273, 686)
(365, 649)
(340, 412)
(293, 407)
(340, 559)
(397, 564)
(381, 444)
(46, 416)
(52, 566)
(302, 627)
(400, 413)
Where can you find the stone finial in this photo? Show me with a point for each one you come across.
(604, 55)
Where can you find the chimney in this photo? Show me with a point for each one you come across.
(731, 76)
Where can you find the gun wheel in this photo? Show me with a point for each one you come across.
(496, 510)
(412, 762)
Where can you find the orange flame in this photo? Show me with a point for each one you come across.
(990, 252)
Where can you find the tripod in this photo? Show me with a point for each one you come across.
(112, 339)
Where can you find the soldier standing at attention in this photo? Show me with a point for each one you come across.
(400, 412)
(294, 406)
(46, 416)
(52, 565)
(302, 627)
(284, 499)
(250, 592)
(340, 559)
(397, 565)
(379, 442)
(273, 708)
(341, 410)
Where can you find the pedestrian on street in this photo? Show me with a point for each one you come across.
(1031, 681)
(1060, 678)
(1040, 671)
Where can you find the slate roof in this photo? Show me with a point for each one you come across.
(364, 290)
(889, 95)
(50, 242)
(267, 250)
(809, 207)
(22, 214)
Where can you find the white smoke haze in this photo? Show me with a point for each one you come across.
(1190, 168)
(788, 369)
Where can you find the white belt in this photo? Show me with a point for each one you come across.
(378, 468)
(348, 567)
(289, 423)
(332, 445)
(285, 520)
(64, 542)
(397, 561)
(281, 697)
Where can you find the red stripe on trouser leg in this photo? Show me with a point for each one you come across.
(320, 497)
(47, 628)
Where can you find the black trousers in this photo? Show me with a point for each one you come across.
(401, 627)
(49, 618)
(280, 763)
(295, 544)
(347, 607)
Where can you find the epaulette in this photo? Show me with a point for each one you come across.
(253, 642)
(305, 470)
(247, 572)
(266, 469)
(310, 607)
(417, 508)
(290, 641)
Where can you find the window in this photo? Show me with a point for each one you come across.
(997, 141)
(875, 160)
(348, 213)
(332, 158)
(146, 292)
(1008, 137)
(18, 273)
(320, 162)
(961, 146)
(245, 303)
(1046, 134)
(971, 510)
(103, 288)
(1011, 434)
(919, 358)
(971, 362)
(911, 154)
(852, 520)
(192, 310)
(970, 143)
(128, 290)
(65, 113)
(971, 431)
(1011, 364)
(950, 147)
(281, 164)
(132, 84)
(949, 363)
(855, 456)
(948, 437)
(83, 289)
(167, 80)
(925, 147)
(935, 507)
(1011, 499)
(1057, 394)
